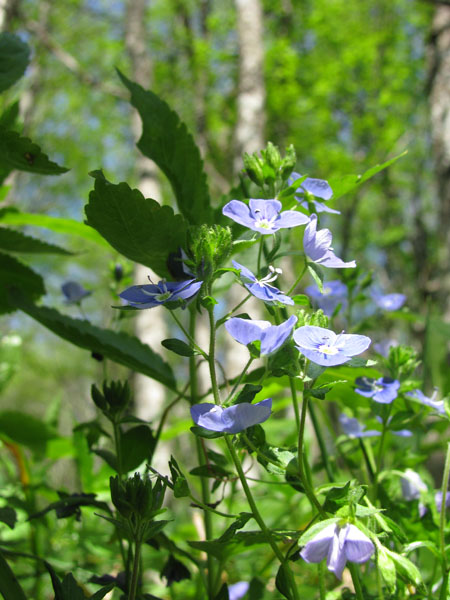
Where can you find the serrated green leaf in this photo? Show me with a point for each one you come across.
(21, 153)
(14, 59)
(10, 588)
(166, 140)
(138, 228)
(15, 241)
(178, 347)
(11, 216)
(14, 274)
(117, 346)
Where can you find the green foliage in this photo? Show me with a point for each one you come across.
(166, 140)
(14, 241)
(25, 429)
(138, 228)
(17, 152)
(14, 275)
(9, 586)
(14, 59)
(178, 347)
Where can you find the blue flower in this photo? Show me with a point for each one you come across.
(272, 337)
(313, 187)
(263, 216)
(233, 419)
(238, 590)
(437, 405)
(412, 485)
(326, 348)
(338, 545)
(387, 302)
(438, 500)
(383, 390)
(317, 246)
(354, 429)
(150, 295)
(334, 293)
(261, 288)
(74, 292)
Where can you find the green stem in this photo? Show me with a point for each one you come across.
(297, 281)
(444, 564)
(257, 515)
(356, 582)
(188, 335)
(223, 319)
(321, 441)
(295, 401)
(261, 244)
(135, 573)
(300, 458)
(261, 454)
(239, 379)
(168, 409)
(212, 356)
(322, 589)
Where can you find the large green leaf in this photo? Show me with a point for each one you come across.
(21, 153)
(349, 183)
(119, 347)
(14, 274)
(9, 586)
(14, 58)
(25, 429)
(12, 216)
(14, 241)
(166, 140)
(137, 227)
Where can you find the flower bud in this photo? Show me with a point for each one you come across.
(254, 168)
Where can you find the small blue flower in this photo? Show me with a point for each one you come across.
(317, 247)
(387, 302)
(261, 288)
(74, 292)
(412, 485)
(313, 187)
(383, 390)
(438, 500)
(338, 545)
(437, 405)
(150, 295)
(233, 419)
(263, 216)
(238, 590)
(326, 348)
(272, 337)
(334, 293)
(354, 429)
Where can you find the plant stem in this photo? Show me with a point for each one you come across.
(261, 244)
(356, 582)
(188, 334)
(295, 401)
(321, 441)
(212, 356)
(445, 570)
(135, 573)
(257, 515)
(322, 590)
(223, 319)
(297, 281)
(168, 409)
(239, 379)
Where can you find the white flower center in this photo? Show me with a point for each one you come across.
(330, 350)
(162, 297)
(263, 224)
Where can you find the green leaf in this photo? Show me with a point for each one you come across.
(14, 274)
(10, 588)
(138, 445)
(14, 241)
(21, 153)
(108, 456)
(8, 516)
(117, 346)
(387, 569)
(25, 429)
(248, 393)
(301, 300)
(138, 228)
(101, 593)
(349, 183)
(405, 567)
(166, 140)
(178, 347)
(206, 433)
(317, 275)
(223, 593)
(282, 581)
(11, 216)
(14, 59)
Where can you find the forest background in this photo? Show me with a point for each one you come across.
(348, 83)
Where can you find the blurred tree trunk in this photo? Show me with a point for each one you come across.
(150, 325)
(439, 76)
(249, 135)
(8, 10)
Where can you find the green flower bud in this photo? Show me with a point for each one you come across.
(254, 168)
(289, 162)
(273, 156)
(210, 247)
(318, 318)
(114, 399)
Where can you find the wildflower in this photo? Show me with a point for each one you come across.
(261, 288)
(412, 485)
(317, 246)
(232, 419)
(338, 545)
(313, 187)
(325, 348)
(150, 295)
(387, 302)
(74, 292)
(354, 429)
(438, 500)
(238, 590)
(263, 216)
(383, 390)
(272, 337)
(437, 405)
(334, 293)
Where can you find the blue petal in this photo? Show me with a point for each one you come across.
(264, 209)
(275, 336)
(238, 417)
(238, 590)
(74, 292)
(291, 218)
(358, 547)
(244, 272)
(239, 212)
(246, 331)
(317, 549)
(186, 289)
(209, 416)
(317, 187)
